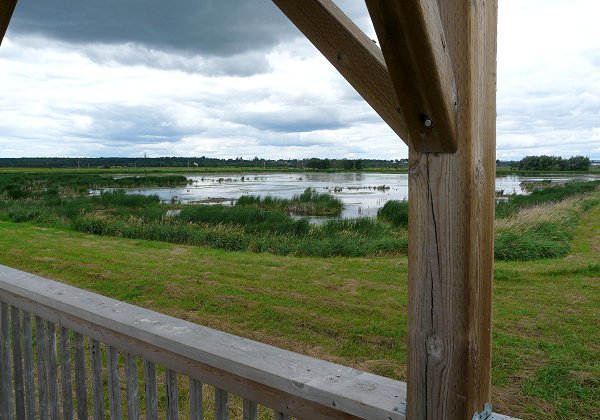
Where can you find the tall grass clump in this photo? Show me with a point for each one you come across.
(120, 198)
(394, 212)
(252, 220)
(549, 194)
(539, 232)
(308, 203)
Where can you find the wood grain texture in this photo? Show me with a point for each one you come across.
(150, 390)
(52, 371)
(172, 394)
(17, 336)
(42, 366)
(7, 8)
(133, 400)
(196, 405)
(221, 404)
(28, 366)
(451, 198)
(80, 376)
(97, 381)
(277, 378)
(250, 410)
(415, 51)
(114, 383)
(6, 382)
(358, 59)
(66, 383)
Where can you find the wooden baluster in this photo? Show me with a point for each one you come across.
(196, 408)
(250, 410)
(17, 362)
(114, 384)
(150, 390)
(5, 377)
(221, 404)
(52, 370)
(80, 378)
(28, 367)
(133, 400)
(65, 374)
(42, 366)
(97, 383)
(172, 395)
(281, 416)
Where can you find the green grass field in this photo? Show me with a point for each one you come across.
(546, 348)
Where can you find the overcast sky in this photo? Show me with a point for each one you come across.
(229, 78)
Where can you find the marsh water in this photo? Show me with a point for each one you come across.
(362, 193)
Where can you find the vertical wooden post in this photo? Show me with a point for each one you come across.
(451, 195)
(451, 246)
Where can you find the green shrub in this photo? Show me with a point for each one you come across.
(394, 212)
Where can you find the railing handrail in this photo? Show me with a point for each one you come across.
(290, 382)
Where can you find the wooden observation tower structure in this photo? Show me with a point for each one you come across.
(433, 81)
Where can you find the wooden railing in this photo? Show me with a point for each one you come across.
(104, 344)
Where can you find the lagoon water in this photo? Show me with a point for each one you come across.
(361, 192)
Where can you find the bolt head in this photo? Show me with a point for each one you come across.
(427, 122)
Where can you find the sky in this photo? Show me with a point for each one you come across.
(234, 78)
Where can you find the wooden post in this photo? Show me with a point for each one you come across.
(451, 218)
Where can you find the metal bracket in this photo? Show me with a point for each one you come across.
(401, 408)
(485, 414)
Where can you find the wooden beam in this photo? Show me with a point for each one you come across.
(415, 50)
(352, 53)
(7, 7)
(451, 219)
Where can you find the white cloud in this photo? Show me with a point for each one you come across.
(280, 99)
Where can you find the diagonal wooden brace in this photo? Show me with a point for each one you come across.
(7, 8)
(415, 50)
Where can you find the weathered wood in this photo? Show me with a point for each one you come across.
(6, 388)
(66, 383)
(281, 416)
(52, 371)
(250, 410)
(97, 382)
(172, 394)
(80, 377)
(15, 318)
(114, 384)
(133, 400)
(7, 8)
(29, 376)
(150, 390)
(415, 51)
(221, 404)
(352, 53)
(280, 379)
(196, 406)
(42, 366)
(451, 198)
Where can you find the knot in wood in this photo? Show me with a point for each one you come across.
(434, 346)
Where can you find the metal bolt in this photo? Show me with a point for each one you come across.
(427, 122)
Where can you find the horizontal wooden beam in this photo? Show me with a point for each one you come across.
(415, 50)
(7, 7)
(355, 55)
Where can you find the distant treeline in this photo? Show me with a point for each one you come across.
(532, 163)
(554, 163)
(201, 162)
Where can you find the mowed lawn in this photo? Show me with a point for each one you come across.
(546, 360)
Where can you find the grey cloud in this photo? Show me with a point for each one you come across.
(130, 54)
(208, 27)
